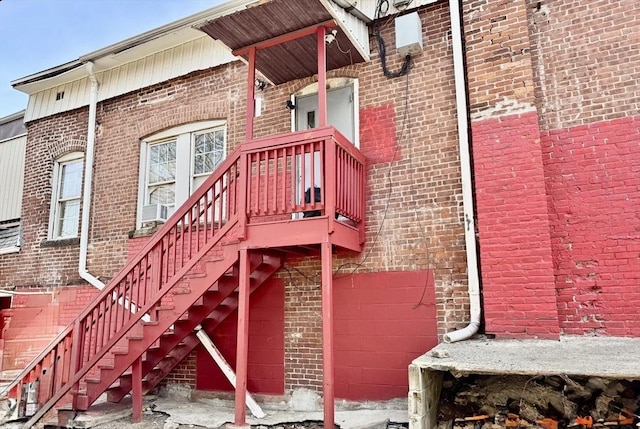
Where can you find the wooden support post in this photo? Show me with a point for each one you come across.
(322, 77)
(327, 335)
(243, 340)
(136, 390)
(251, 88)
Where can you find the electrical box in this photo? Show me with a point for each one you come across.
(409, 34)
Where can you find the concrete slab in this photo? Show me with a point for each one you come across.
(216, 413)
(580, 356)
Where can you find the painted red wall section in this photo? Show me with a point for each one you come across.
(34, 320)
(383, 321)
(266, 344)
(593, 181)
(513, 224)
(378, 134)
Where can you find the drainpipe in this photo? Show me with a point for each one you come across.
(465, 167)
(88, 178)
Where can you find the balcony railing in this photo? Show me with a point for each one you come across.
(313, 172)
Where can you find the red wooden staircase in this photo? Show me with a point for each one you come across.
(229, 236)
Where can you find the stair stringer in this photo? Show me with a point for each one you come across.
(155, 368)
(190, 290)
(78, 376)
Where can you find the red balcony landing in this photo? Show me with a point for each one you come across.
(302, 189)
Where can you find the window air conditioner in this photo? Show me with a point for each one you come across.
(155, 213)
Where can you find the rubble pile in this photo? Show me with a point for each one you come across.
(546, 402)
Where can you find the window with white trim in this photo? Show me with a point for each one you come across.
(174, 163)
(66, 195)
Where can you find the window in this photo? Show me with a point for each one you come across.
(67, 191)
(174, 163)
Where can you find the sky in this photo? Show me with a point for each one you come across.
(39, 34)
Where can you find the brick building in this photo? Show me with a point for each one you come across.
(501, 173)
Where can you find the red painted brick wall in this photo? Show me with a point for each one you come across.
(36, 318)
(513, 225)
(382, 322)
(593, 179)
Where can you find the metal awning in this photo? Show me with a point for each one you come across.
(274, 19)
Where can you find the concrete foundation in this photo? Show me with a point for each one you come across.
(606, 357)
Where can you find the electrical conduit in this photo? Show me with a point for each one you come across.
(465, 167)
(88, 179)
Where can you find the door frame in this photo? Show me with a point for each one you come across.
(333, 83)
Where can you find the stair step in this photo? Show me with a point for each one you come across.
(106, 366)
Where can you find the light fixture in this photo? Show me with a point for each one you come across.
(260, 84)
(328, 38)
(401, 4)
(290, 105)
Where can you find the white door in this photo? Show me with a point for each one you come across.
(340, 114)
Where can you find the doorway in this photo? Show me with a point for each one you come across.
(342, 108)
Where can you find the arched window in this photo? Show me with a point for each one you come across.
(173, 163)
(66, 195)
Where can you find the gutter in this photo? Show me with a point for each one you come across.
(88, 179)
(467, 189)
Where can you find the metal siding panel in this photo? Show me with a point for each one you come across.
(197, 54)
(358, 29)
(83, 92)
(188, 52)
(74, 93)
(106, 82)
(29, 113)
(49, 99)
(120, 82)
(176, 63)
(12, 156)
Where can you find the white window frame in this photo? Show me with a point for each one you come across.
(184, 184)
(54, 217)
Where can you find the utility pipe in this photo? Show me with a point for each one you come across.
(465, 167)
(88, 179)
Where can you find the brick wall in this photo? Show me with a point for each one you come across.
(593, 177)
(513, 226)
(512, 216)
(587, 65)
(413, 183)
(577, 64)
(43, 263)
(586, 60)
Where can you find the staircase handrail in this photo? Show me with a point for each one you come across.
(177, 216)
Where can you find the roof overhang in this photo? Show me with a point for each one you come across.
(273, 20)
(127, 50)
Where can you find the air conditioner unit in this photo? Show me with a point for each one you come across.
(155, 213)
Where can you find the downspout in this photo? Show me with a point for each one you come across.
(465, 167)
(88, 179)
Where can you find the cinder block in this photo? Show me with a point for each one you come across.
(416, 403)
